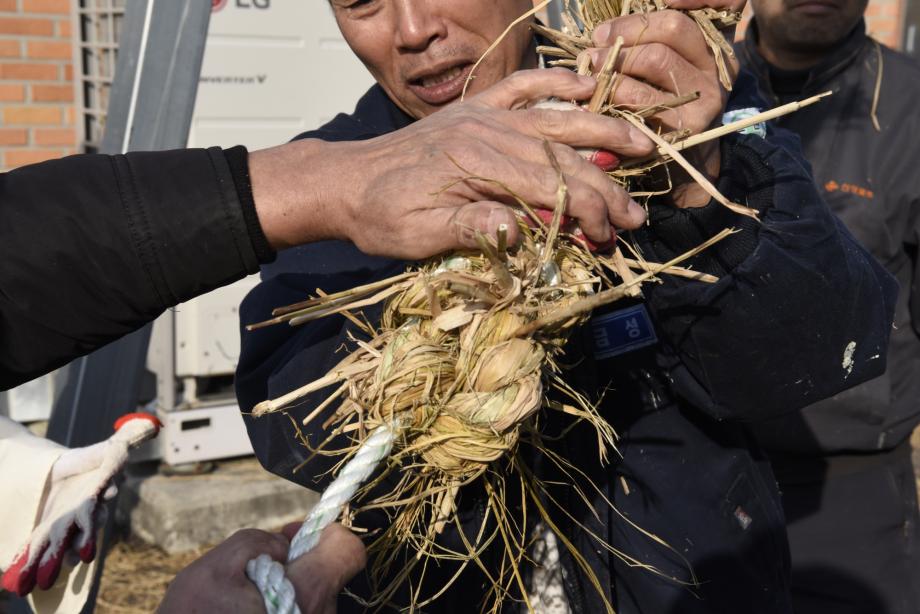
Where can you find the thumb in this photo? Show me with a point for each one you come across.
(321, 574)
(487, 218)
(77, 461)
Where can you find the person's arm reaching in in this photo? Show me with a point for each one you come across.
(387, 195)
(95, 246)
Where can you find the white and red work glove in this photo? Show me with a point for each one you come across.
(601, 158)
(80, 480)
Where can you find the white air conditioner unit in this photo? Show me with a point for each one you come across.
(30, 402)
(271, 69)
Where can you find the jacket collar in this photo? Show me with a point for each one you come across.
(819, 76)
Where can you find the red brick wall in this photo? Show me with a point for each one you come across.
(884, 20)
(37, 115)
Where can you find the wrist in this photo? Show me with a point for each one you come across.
(300, 191)
(686, 193)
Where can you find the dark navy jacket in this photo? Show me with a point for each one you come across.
(768, 338)
(870, 180)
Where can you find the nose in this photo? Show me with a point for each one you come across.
(417, 24)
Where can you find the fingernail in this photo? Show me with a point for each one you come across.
(88, 552)
(502, 218)
(602, 33)
(638, 138)
(637, 212)
(597, 57)
(497, 217)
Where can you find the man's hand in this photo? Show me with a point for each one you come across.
(80, 479)
(217, 581)
(319, 575)
(429, 187)
(664, 56)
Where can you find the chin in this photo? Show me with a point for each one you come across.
(815, 35)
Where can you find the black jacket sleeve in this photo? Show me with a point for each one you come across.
(801, 311)
(95, 246)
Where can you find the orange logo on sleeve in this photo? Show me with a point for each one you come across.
(849, 188)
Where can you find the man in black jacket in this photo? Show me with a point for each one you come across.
(844, 464)
(795, 293)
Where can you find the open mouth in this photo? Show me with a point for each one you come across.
(441, 86)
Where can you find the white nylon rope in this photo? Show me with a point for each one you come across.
(267, 574)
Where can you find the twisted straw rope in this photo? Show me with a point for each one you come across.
(267, 574)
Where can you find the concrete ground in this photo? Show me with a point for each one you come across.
(184, 513)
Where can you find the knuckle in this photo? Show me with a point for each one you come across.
(639, 95)
(469, 125)
(247, 535)
(551, 124)
(658, 57)
(673, 24)
(547, 182)
(517, 81)
(592, 207)
(571, 160)
(254, 538)
(557, 72)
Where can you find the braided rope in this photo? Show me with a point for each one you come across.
(267, 574)
(277, 591)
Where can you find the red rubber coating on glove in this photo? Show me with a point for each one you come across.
(604, 160)
(48, 571)
(19, 579)
(140, 415)
(567, 225)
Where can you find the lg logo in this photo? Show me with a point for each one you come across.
(217, 5)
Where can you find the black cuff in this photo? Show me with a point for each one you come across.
(744, 179)
(238, 160)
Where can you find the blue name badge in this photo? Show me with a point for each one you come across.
(622, 331)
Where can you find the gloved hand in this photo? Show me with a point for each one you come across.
(80, 480)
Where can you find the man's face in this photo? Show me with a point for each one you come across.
(421, 51)
(806, 26)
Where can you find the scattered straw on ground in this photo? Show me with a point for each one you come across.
(136, 576)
